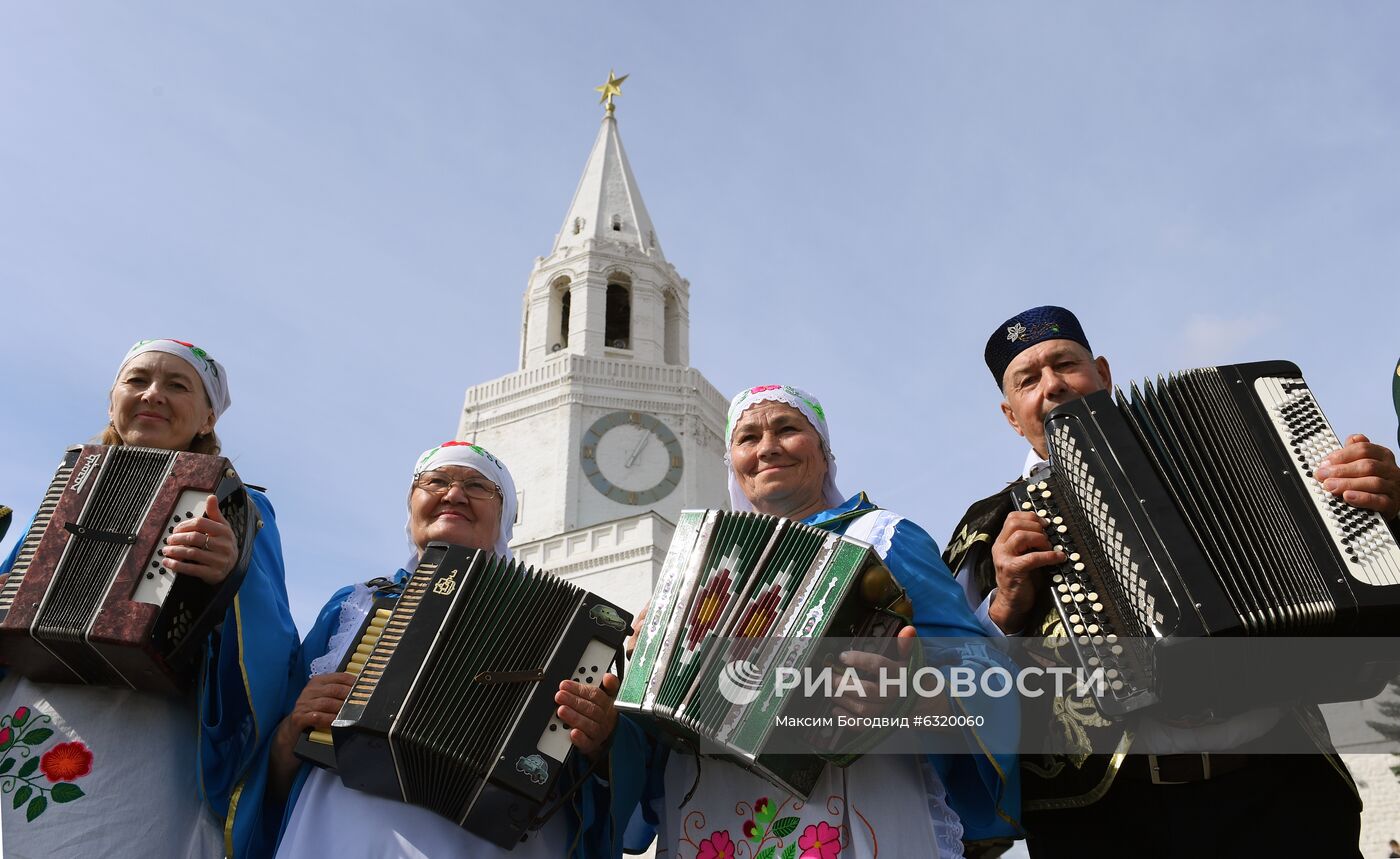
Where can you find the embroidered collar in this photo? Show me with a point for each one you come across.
(852, 508)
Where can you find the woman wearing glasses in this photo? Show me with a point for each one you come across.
(460, 494)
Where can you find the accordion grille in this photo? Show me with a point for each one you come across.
(506, 618)
(36, 533)
(124, 490)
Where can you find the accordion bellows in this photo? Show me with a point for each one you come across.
(740, 594)
(453, 703)
(1190, 511)
(87, 600)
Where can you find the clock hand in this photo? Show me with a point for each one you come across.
(637, 451)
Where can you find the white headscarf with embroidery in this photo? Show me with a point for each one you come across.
(470, 455)
(211, 372)
(810, 408)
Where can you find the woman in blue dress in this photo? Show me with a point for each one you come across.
(88, 771)
(459, 494)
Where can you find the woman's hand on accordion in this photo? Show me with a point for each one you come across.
(589, 713)
(1020, 549)
(316, 707)
(871, 700)
(203, 547)
(1363, 475)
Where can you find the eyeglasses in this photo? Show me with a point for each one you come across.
(437, 484)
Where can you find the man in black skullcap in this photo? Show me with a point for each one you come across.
(1119, 803)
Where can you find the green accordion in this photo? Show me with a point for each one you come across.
(741, 596)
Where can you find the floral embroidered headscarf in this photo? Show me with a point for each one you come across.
(810, 408)
(211, 372)
(470, 455)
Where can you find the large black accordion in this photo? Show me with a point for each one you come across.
(1190, 514)
(453, 703)
(87, 600)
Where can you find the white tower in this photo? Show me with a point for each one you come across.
(606, 429)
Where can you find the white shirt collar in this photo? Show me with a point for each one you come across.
(1032, 461)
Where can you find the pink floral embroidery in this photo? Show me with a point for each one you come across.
(23, 770)
(820, 841)
(718, 846)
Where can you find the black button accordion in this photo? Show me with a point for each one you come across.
(87, 600)
(453, 708)
(1189, 511)
(739, 595)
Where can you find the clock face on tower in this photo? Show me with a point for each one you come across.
(631, 457)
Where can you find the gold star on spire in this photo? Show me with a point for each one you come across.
(611, 88)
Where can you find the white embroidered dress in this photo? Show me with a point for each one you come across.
(85, 768)
(881, 805)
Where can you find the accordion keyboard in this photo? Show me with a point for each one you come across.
(36, 533)
(1362, 535)
(1091, 620)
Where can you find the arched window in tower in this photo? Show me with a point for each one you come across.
(565, 301)
(617, 223)
(617, 322)
(578, 225)
(672, 345)
(559, 301)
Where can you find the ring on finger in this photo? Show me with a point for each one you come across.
(206, 542)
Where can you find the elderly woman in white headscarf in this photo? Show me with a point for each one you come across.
(460, 494)
(87, 770)
(781, 463)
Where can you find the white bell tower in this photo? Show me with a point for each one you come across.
(607, 430)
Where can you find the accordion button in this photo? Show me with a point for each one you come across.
(1079, 567)
(1093, 661)
(1079, 598)
(1045, 494)
(1026, 505)
(1074, 618)
(1094, 628)
(1074, 556)
(1083, 640)
(1098, 639)
(1078, 628)
(1064, 589)
(1111, 638)
(1076, 587)
(1058, 520)
(1098, 606)
(1095, 597)
(1043, 485)
(1065, 598)
(1116, 650)
(1116, 685)
(1063, 528)
(1057, 578)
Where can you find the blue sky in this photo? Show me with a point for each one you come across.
(342, 201)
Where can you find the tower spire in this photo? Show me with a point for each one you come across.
(607, 204)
